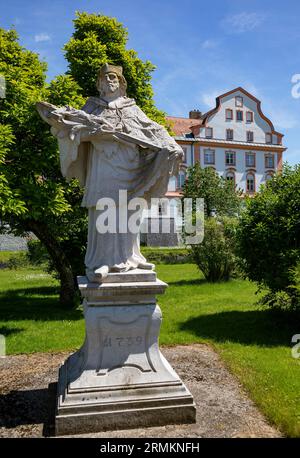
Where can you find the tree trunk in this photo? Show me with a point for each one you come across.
(68, 290)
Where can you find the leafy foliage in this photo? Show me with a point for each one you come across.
(219, 195)
(98, 39)
(269, 238)
(33, 194)
(215, 255)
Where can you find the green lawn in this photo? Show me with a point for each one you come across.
(254, 343)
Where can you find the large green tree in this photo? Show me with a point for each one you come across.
(98, 39)
(269, 238)
(34, 197)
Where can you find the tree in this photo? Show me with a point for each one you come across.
(34, 197)
(269, 238)
(215, 254)
(33, 194)
(98, 39)
(219, 195)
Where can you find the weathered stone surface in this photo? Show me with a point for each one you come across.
(119, 378)
(113, 148)
(119, 293)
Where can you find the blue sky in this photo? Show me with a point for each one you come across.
(201, 49)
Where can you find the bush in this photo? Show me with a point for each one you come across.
(268, 239)
(215, 255)
(17, 260)
(166, 255)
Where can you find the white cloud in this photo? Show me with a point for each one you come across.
(209, 44)
(242, 22)
(42, 37)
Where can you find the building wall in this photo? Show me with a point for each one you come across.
(218, 121)
(240, 168)
(188, 150)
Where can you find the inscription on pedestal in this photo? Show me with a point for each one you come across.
(124, 344)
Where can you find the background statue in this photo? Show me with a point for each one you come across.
(110, 145)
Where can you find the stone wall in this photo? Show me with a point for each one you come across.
(9, 242)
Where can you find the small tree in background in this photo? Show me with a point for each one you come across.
(269, 239)
(219, 195)
(215, 255)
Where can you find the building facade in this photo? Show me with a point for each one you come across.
(235, 138)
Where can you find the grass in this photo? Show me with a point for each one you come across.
(254, 343)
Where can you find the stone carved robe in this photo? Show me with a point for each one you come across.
(104, 166)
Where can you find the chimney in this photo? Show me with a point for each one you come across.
(195, 114)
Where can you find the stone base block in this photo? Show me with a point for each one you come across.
(113, 409)
(119, 378)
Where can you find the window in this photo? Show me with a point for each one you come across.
(230, 177)
(268, 138)
(250, 182)
(229, 134)
(269, 176)
(239, 115)
(250, 136)
(238, 101)
(209, 156)
(184, 148)
(208, 132)
(163, 207)
(229, 114)
(269, 161)
(181, 179)
(249, 116)
(229, 157)
(250, 159)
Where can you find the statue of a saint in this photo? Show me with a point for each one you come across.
(110, 145)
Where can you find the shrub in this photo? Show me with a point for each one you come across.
(17, 260)
(166, 255)
(215, 255)
(268, 239)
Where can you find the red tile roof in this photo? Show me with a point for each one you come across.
(173, 194)
(181, 126)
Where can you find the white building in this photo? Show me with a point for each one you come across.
(235, 138)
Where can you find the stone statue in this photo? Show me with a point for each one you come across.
(118, 378)
(110, 145)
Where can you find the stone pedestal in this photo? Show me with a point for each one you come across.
(119, 379)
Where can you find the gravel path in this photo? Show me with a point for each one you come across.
(28, 391)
